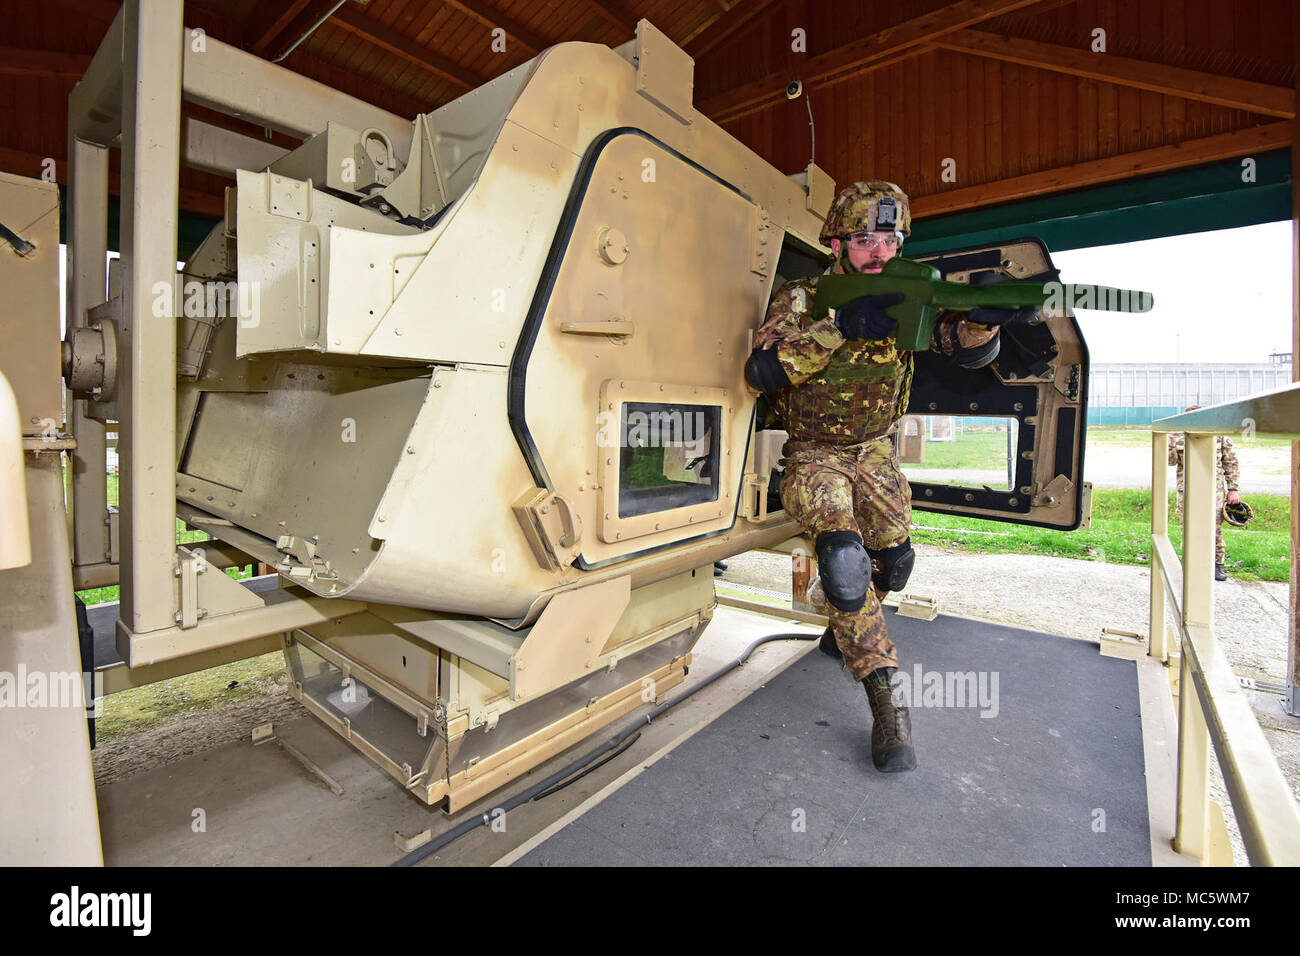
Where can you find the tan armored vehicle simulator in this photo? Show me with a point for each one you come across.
(481, 403)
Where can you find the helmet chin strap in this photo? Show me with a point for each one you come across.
(846, 266)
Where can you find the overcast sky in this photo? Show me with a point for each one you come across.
(1222, 296)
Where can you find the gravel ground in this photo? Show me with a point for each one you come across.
(1076, 599)
(182, 736)
(1263, 470)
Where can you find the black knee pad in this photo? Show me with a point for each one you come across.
(895, 565)
(844, 568)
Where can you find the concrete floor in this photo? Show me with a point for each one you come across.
(1039, 761)
(245, 805)
(241, 804)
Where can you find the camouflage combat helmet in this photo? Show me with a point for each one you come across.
(1238, 513)
(871, 206)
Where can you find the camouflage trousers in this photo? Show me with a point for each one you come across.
(855, 488)
(1220, 497)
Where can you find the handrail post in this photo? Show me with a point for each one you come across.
(1158, 644)
(1192, 834)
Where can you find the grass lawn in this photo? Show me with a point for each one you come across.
(1121, 534)
(983, 448)
(1121, 518)
(142, 707)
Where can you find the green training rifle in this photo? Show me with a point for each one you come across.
(926, 294)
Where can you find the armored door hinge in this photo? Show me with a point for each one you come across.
(300, 561)
(189, 565)
(551, 525)
(1051, 494)
(763, 241)
(753, 497)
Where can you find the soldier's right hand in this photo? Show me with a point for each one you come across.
(865, 318)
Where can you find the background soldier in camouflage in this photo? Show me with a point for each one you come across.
(1227, 475)
(839, 386)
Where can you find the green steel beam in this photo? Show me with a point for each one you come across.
(1199, 199)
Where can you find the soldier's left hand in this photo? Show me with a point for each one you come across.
(1233, 497)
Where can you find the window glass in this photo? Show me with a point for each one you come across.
(668, 456)
(968, 450)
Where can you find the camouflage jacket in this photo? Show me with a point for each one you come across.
(1227, 471)
(843, 392)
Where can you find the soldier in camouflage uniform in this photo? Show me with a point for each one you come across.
(840, 386)
(1227, 475)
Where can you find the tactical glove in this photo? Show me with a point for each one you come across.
(996, 317)
(865, 318)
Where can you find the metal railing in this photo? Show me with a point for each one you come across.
(1212, 708)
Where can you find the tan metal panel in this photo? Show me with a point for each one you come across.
(285, 233)
(29, 317)
(665, 74)
(314, 448)
(87, 284)
(442, 548)
(568, 637)
(49, 816)
(481, 267)
(15, 535)
(688, 334)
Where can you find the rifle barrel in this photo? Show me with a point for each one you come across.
(1019, 295)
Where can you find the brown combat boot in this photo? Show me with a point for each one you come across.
(891, 728)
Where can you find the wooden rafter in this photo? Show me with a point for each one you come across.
(703, 25)
(612, 14)
(321, 70)
(1241, 142)
(267, 36)
(310, 65)
(720, 28)
(16, 61)
(492, 19)
(853, 58)
(1173, 81)
(398, 44)
(92, 9)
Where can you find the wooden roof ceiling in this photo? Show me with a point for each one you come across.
(1009, 91)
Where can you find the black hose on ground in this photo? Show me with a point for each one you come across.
(579, 768)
